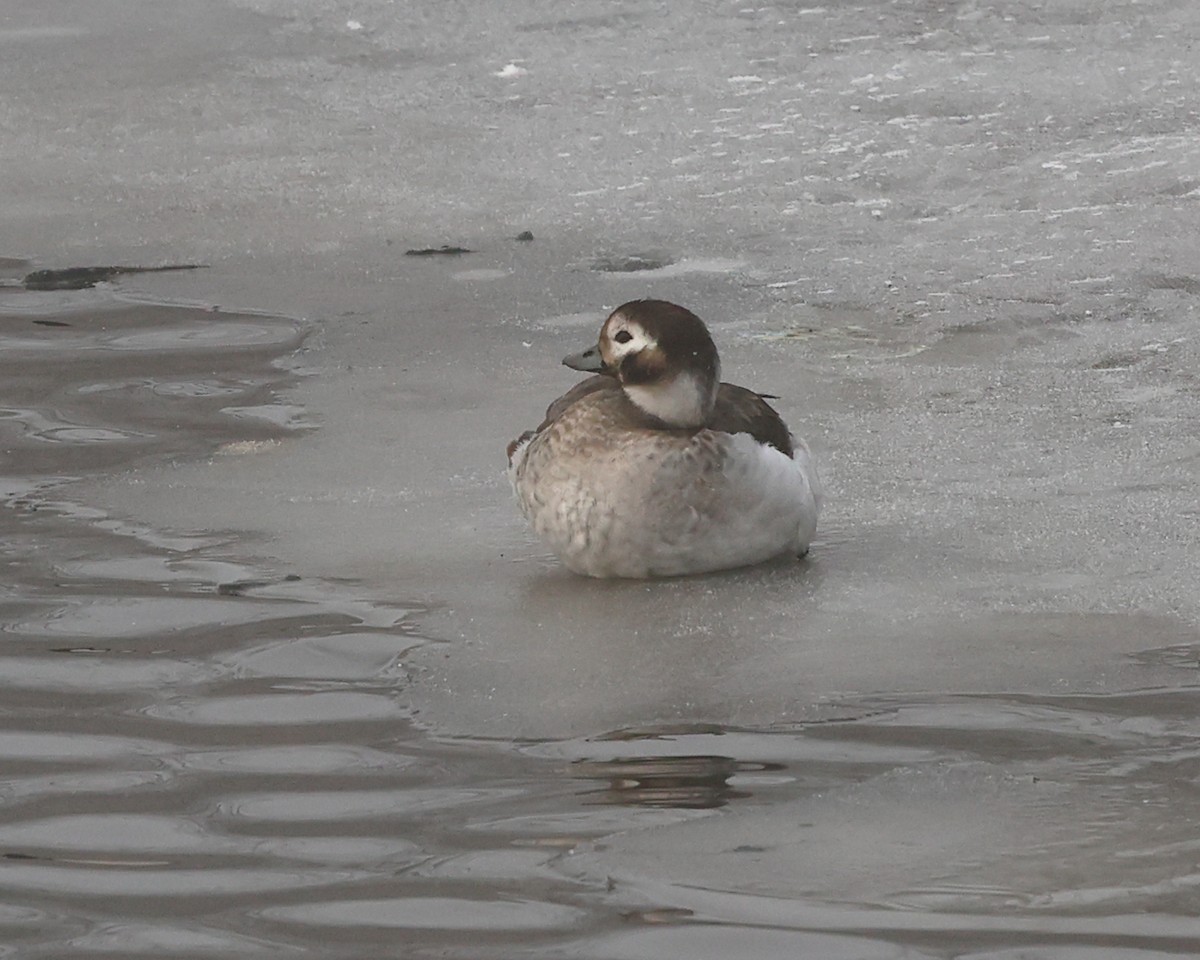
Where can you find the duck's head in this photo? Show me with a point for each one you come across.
(663, 357)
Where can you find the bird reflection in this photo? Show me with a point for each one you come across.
(692, 782)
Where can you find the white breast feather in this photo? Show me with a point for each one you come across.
(768, 505)
(629, 505)
(745, 505)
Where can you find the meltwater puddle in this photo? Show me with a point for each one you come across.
(205, 755)
(973, 826)
(146, 676)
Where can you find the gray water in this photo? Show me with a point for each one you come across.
(284, 673)
(208, 755)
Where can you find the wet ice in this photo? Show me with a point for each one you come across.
(957, 241)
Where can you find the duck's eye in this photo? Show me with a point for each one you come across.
(623, 336)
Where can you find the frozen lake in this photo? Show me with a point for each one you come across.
(284, 673)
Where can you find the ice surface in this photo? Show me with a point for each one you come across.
(957, 239)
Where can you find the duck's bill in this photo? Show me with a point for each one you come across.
(589, 361)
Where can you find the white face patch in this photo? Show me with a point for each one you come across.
(625, 338)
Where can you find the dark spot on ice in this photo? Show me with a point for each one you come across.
(81, 649)
(525, 236)
(1117, 362)
(657, 914)
(51, 323)
(1160, 281)
(237, 588)
(1176, 655)
(81, 278)
(443, 251)
(634, 263)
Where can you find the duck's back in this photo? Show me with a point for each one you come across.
(615, 494)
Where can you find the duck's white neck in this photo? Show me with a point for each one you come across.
(685, 400)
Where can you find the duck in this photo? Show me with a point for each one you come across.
(652, 467)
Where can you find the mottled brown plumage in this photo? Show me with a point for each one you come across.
(653, 467)
(737, 410)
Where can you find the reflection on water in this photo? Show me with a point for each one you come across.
(205, 756)
(701, 783)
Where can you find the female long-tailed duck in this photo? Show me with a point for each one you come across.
(653, 467)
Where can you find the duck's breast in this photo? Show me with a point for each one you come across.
(624, 501)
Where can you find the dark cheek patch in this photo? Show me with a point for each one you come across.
(642, 368)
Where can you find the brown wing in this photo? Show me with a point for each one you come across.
(739, 410)
(578, 392)
(558, 407)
